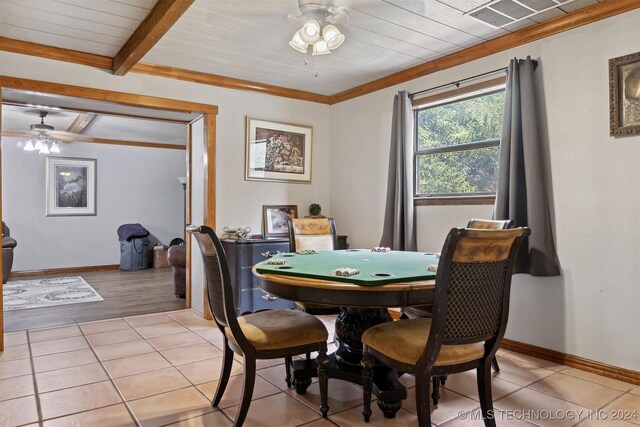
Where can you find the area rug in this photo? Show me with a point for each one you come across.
(22, 294)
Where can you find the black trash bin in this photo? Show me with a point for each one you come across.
(135, 247)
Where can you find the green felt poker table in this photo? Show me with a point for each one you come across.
(384, 279)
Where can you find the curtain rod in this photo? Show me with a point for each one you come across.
(466, 79)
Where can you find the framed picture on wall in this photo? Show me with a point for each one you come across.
(71, 186)
(624, 95)
(276, 219)
(278, 152)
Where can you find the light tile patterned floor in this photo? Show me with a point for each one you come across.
(162, 370)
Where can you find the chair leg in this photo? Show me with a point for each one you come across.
(422, 399)
(494, 364)
(323, 379)
(367, 364)
(247, 391)
(287, 367)
(435, 393)
(227, 361)
(484, 392)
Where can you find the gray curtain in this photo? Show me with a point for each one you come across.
(399, 232)
(522, 193)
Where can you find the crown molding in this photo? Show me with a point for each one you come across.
(535, 32)
(228, 82)
(55, 53)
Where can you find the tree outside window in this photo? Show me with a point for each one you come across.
(458, 144)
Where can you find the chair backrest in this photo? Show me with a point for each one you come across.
(318, 234)
(471, 302)
(217, 277)
(488, 224)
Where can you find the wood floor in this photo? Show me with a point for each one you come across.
(125, 293)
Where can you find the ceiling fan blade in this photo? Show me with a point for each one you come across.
(68, 136)
(339, 17)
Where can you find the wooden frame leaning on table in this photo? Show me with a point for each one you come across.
(624, 95)
(71, 186)
(279, 152)
(276, 218)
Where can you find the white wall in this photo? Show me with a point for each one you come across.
(134, 184)
(592, 309)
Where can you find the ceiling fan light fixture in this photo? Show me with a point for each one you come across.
(38, 145)
(320, 48)
(297, 43)
(28, 146)
(44, 149)
(55, 148)
(332, 36)
(310, 31)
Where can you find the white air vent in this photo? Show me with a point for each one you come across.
(498, 13)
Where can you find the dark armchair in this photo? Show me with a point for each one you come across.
(8, 243)
(177, 257)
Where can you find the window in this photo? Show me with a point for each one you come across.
(458, 144)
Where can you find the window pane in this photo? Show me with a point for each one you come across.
(469, 120)
(467, 171)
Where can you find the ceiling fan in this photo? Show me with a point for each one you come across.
(322, 10)
(44, 139)
(319, 29)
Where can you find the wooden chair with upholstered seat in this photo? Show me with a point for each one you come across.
(470, 311)
(268, 334)
(318, 234)
(483, 224)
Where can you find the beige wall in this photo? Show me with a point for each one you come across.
(592, 309)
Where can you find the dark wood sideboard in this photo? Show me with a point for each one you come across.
(242, 255)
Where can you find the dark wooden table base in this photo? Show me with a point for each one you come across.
(345, 362)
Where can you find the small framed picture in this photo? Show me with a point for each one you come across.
(624, 95)
(71, 186)
(278, 152)
(276, 219)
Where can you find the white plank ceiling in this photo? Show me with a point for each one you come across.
(248, 39)
(93, 26)
(18, 118)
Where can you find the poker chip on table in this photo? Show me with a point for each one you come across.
(345, 272)
(381, 249)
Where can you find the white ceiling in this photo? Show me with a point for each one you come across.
(19, 118)
(94, 26)
(248, 39)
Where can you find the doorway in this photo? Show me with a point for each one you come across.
(132, 104)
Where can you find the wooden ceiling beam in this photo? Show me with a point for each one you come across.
(81, 121)
(161, 18)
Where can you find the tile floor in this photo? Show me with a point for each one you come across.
(162, 370)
